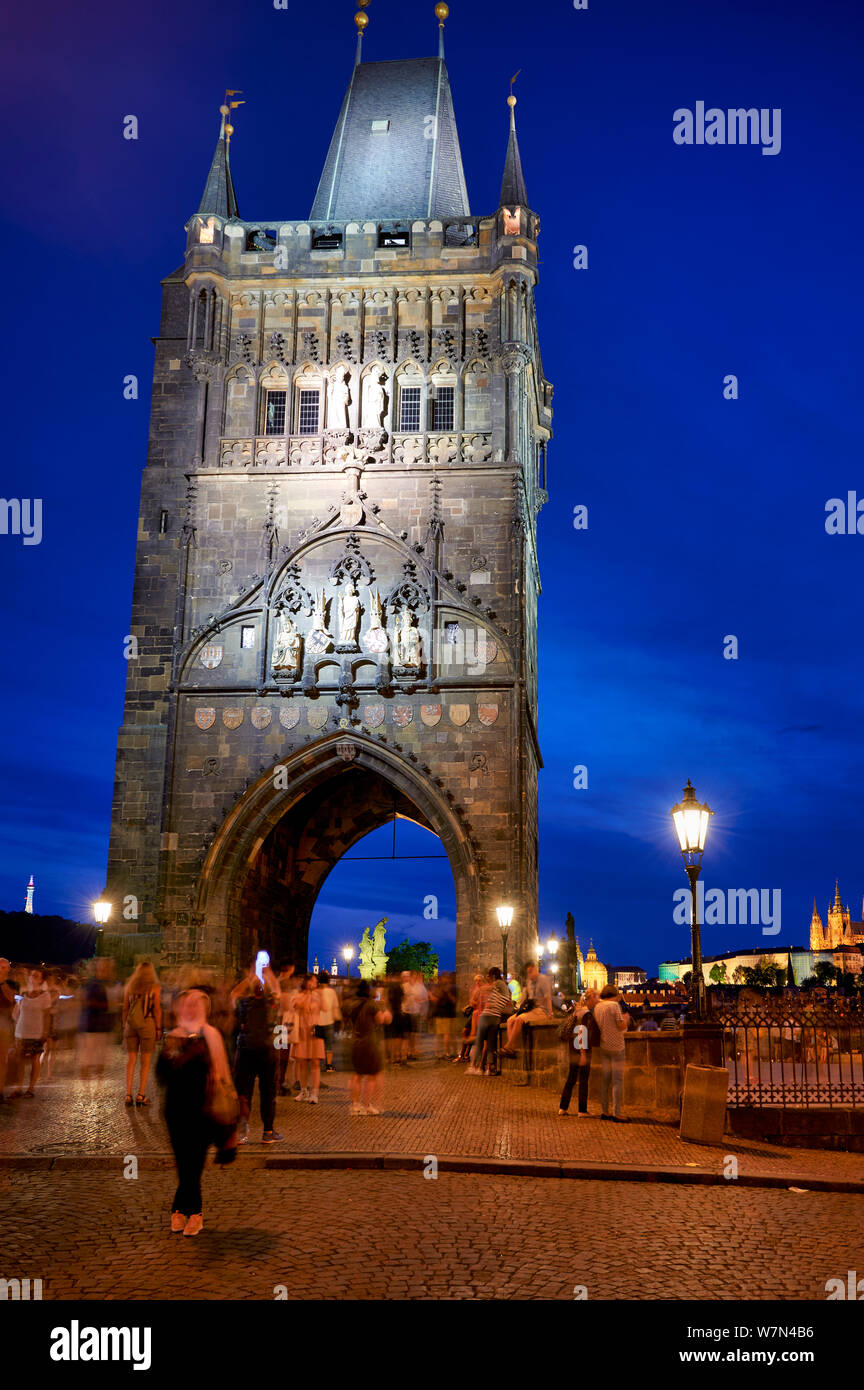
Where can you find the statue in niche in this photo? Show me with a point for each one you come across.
(376, 639)
(319, 638)
(287, 645)
(339, 396)
(512, 223)
(349, 615)
(407, 641)
(377, 400)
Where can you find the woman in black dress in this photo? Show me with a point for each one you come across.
(200, 1103)
(366, 1060)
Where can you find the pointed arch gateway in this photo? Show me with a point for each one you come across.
(271, 856)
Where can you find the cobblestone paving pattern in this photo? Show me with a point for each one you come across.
(428, 1108)
(92, 1235)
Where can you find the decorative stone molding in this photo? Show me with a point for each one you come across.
(203, 365)
(409, 449)
(270, 453)
(305, 452)
(476, 448)
(443, 448)
(235, 453)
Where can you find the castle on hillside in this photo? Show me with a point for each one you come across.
(840, 929)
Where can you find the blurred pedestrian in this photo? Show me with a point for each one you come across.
(200, 1103)
(328, 1013)
(471, 1013)
(497, 1004)
(7, 1025)
(396, 1031)
(142, 1025)
(612, 1020)
(416, 1008)
(366, 1062)
(307, 1049)
(442, 1012)
(30, 1015)
(96, 1021)
(256, 1006)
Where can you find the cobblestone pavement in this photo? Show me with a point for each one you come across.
(427, 1109)
(374, 1235)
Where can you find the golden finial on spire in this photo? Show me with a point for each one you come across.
(442, 11)
(225, 110)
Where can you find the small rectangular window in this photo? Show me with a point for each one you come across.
(309, 401)
(443, 415)
(274, 413)
(380, 127)
(409, 410)
(247, 637)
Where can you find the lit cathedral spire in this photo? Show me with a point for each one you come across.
(31, 889)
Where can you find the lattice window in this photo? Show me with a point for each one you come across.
(274, 412)
(309, 411)
(409, 410)
(444, 410)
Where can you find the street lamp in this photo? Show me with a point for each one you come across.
(691, 826)
(552, 947)
(504, 914)
(348, 953)
(101, 912)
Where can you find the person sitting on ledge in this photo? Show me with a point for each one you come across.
(539, 1007)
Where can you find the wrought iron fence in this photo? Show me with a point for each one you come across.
(793, 1051)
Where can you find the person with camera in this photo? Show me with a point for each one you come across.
(256, 1006)
(581, 1034)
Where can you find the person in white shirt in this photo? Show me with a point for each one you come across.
(415, 1007)
(31, 1028)
(612, 1023)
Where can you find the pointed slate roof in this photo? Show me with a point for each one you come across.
(411, 168)
(513, 192)
(219, 196)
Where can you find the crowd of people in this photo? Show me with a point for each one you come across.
(216, 1038)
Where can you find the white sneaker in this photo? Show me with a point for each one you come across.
(312, 1097)
(301, 1095)
(473, 1071)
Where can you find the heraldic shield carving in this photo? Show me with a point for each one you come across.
(289, 717)
(261, 716)
(205, 718)
(347, 751)
(402, 715)
(430, 714)
(210, 657)
(459, 714)
(318, 716)
(373, 716)
(487, 714)
(232, 717)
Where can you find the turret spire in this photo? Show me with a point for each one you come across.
(219, 197)
(513, 192)
(442, 11)
(361, 19)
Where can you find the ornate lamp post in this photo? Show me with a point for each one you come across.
(348, 953)
(691, 826)
(504, 914)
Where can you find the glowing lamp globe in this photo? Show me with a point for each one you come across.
(101, 912)
(505, 917)
(691, 823)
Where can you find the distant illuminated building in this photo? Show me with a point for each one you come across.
(594, 972)
(31, 889)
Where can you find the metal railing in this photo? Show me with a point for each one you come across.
(792, 1051)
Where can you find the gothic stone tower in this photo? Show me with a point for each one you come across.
(336, 583)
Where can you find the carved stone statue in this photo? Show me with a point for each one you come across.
(376, 639)
(408, 641)
(377, 401)
(349, 615)
(339, 395)
(379, 955)
(319, 614)
(287, 644)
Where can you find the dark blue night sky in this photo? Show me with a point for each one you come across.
(706, 516)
